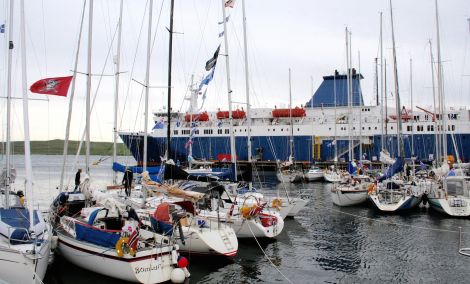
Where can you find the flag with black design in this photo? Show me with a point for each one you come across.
(213, 61)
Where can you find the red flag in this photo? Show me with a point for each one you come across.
(58, 86)
(229, 4)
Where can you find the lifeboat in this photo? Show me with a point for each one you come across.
(236, 114)
(404, 117)
(285, 112)
(203, 116)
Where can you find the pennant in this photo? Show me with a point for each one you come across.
(133, 240)
(229, 4)
(52, 86)
(211, 62)
(226, 20)
(221, 34)
(206, 80)
(2, 28)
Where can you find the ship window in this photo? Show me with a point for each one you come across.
(369, 127)
(226, 131)
(196, 132)
(453, 127)
(363, 128)
(282, 129)
(245, 129)
(354, 128)
(175, 132)
(298, 129)
(408, 128)
(328, 128)
(219, 131)
(391, 128)
(274, 129)
(269, 129)
(376, 128)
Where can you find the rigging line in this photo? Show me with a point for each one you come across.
(95, 95)
(267, 257)
(44, 35)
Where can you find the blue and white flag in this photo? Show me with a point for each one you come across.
(221, 34)
(159, 125)
(226, 20)
(2, 28)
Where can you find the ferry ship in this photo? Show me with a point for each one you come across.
(324, 122)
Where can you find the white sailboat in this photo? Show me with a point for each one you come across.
(106, 242)
(25, 238)
(286, 171)
(354, 189)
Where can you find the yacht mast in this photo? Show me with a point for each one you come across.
(334, 94)
(411, 112)
(8, 132)
(147, 82)
(72, 94)
(88, 88)
(440, 90)
(247, 91)
(170, 57)
(116, 92)
(348, 77)
(435, 118)
(397, 93)
(229, 91)
(291, 139)
(27, 148)
(381, 84)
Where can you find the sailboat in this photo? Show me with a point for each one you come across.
(286, 171)
(354, 189)
(109, 240)
(395, 192)
(25, 238)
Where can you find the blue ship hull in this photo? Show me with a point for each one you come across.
(272, 148)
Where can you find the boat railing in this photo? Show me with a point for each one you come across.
(28, 238)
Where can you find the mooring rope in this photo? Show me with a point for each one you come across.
(288, 280)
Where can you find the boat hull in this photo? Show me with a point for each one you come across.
(153, 266)
(444, 206)
(349, 197)
(405, 203)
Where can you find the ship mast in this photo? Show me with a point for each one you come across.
(229, 91)
(147, 83)
(116, 92)
(170, 56)
(397, 93)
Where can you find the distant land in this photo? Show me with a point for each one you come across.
(56, 147)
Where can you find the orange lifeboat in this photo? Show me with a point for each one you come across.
(285, 112)
(236, 114)
(203, 116)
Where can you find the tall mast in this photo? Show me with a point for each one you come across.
(386, 105)
(334, 94)
(412, 116)
(27, 149)
(440, 90)
(170, 55)
(88, 88)
(72, 94)
(360, 109)
(116, 92)
(229, 91)
(8, 134)
(147, 83)
(291, 142)
(397, 93)
(436, 128)
(381, 84)
(348, 77)
(247, 91)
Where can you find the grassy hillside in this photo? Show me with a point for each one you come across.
(56, 147)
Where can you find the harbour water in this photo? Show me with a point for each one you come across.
(323, 244)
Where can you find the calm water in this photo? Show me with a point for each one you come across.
(323, 244)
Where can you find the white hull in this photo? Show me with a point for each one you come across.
(453, 206)
(290, 176)
(248, 228)
(334, 177)
(20, 267)
(404, 203)
(298, 204)
(315, 176)
(221, 242)
(348, 197)
(149, 266)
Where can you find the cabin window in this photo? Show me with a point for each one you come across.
(409, 128)
(282, 129)
(175, 132)
(298, 129)
(376, 128)
(226, 131)
(369, 128)
(391, 127)
(219, 131)
(453, 127)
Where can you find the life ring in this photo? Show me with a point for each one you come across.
(276, 203)
(122, 246)
(371, 189)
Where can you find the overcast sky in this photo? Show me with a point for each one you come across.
(306, 36)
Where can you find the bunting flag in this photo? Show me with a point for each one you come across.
(159, 125)
(221, 34)
(189, 143)
(2, 28)
(213, 61)
(229, 3)
(134, 240)
(58, 86)
(226, 20)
